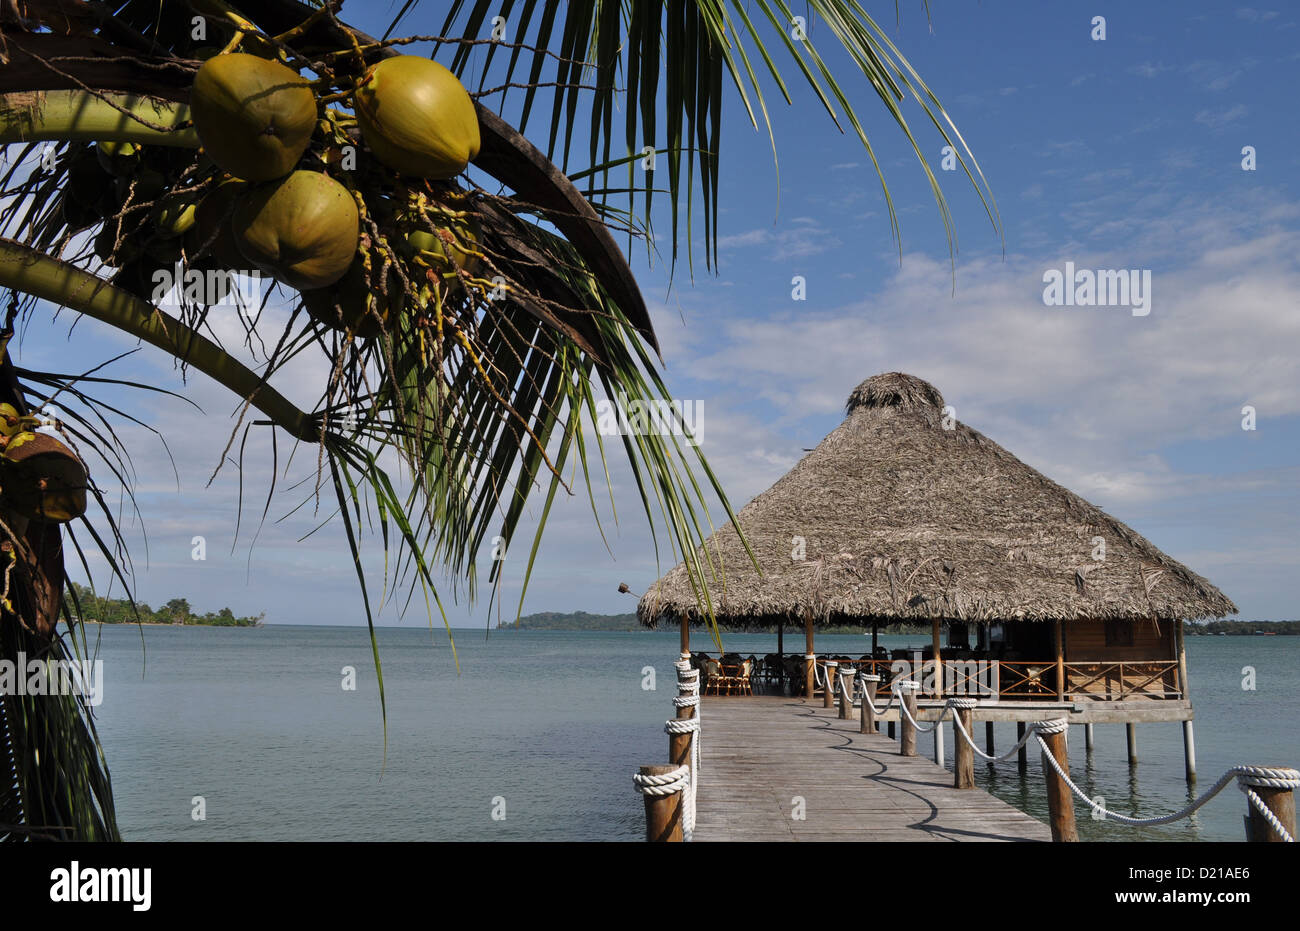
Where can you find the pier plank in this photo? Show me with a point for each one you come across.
(761, 755)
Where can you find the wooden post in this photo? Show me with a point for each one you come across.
(892, 730)
(867, 724)
(810, 657)
(1182, 658)
(846, 692)
(907, 742)
(829, 670)
(875, 630)
(663, 813)
(1022, 757)
(988, 739)
(938, 745)
(1281, 802)
(1087, 737)
(1060, 802)
(1131, 728)
(686, 637)
(938, 659)
(780, 652)
(963, 754)
(1189, 751)
(1058, 637)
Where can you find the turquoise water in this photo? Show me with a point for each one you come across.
(542, 730)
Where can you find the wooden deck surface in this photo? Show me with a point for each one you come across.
(760, 753)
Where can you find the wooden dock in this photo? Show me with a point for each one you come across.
(762, 754)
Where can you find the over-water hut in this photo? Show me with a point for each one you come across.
(904, 514)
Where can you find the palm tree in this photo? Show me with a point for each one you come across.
(477, 358)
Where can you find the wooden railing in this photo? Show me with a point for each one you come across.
(1027, 680)
(1124, 679)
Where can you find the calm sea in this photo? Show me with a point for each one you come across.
(537, 736)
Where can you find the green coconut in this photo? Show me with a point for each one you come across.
(453, 246)
(302, 230)
(254, 117)
(42, 479)
(417, 117)
(174, 214)
(118, 158)
(351, 304)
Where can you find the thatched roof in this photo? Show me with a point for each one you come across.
(907, 515)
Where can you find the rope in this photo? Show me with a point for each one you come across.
(1030, 732)
(903, 706)
(1246, 776)
(660, 786)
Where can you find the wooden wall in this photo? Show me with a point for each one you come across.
(1085, 641)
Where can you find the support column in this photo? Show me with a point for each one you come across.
(810, 658)
(938, 745)
(1131, 728)
(1022, 756)
(1189, 751)
(988, 739)
(1087, 737)
(938, 659)
(685, 637)
(1058, 636)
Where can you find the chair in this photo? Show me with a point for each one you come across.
(743, 683)
(712, 673)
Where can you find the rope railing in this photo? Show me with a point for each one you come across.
(1247, 777)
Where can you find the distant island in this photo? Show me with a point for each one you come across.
(1243, 628)
(175, 613)
(575, 620)
(581, 620)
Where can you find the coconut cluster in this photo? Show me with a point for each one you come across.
(271, 190)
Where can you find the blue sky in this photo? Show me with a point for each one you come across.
(1123, 154)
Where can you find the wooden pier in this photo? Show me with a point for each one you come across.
(763, 756)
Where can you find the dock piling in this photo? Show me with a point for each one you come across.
(907, 697)
(1087, 738)
(1022, 758)
(846, 691)
(661, 790)
(963, 762)
(1060, 801)
(828, 691)
(988, 740)
(1189, 751)
(867, 724)
(1131, 730)
(1277, 792)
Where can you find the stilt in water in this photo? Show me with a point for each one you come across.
(1022, 758)
(1087, 737)
(1132, 743)
(1189, 751)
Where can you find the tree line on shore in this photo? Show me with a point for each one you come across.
(176, 611)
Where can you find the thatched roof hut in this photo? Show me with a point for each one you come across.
(904, 514)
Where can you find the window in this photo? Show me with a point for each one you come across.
(1119, 633)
